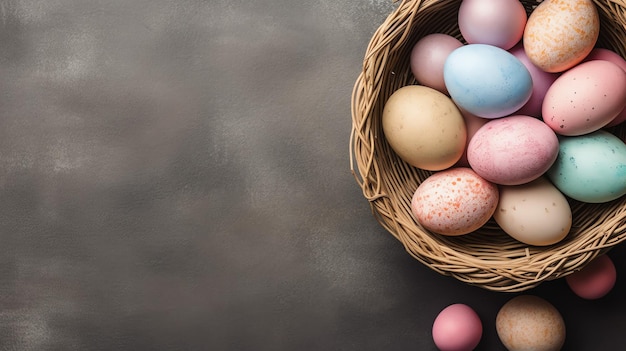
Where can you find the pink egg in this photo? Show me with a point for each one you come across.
(428, 57)
(513, 150)
(612, 56)
(542, 80)
(472, 125)
(495, 22)
(454, 201)
(457, 328)
(607, 55)
(585, 98)
(595, 280)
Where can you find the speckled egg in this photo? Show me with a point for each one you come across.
(560, 33)
(590, 168)
(528, 322)
(512, 150)
(609, 55)
(454, 201)
(585, 98)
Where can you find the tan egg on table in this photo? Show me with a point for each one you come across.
(528, 322)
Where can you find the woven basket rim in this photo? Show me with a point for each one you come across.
(499, 263)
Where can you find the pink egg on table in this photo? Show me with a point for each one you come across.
(542, 80)
(513, 150)
(457, 328)
(428, 57)
(495, 22)
(612, 56)
(595, 280)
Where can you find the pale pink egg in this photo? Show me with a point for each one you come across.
(457, 328)
(595, 280)
(428, 57)
(609, 55)
(495, 22)
(513, 150)
(542, 80)
(455, 201)
(585, 98)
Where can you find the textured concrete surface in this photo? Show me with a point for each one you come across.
(174, 175)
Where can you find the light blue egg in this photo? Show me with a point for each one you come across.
(487, 81)
(591, 167)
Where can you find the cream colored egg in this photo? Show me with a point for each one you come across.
(535, 213)
(561, 33)
(424, 127)
(528, 322)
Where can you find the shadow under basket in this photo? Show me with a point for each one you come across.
(487, 258)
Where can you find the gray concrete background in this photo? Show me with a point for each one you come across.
(174, 175)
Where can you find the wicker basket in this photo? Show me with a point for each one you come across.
(488, 257)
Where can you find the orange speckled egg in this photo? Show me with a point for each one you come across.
(454, 201)
(560, 33)
(528, 322)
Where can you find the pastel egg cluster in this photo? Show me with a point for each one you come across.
(514, 122)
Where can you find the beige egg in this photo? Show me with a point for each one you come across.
(528, 322)
(560, 33)
(535, 213)
(424, 127)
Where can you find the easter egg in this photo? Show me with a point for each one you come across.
(457, 328)
(594, 280)
(528, 322)
(455, 201)
(428, 57)
(609, 55)
(585, 98)
(535, 213)
(424, 127)
(473, 124)
(560, 33)
(487, 81)
(495, 22)
(542, 81)
(512, 150)
(590, 168)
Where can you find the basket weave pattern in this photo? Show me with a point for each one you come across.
(488, 258)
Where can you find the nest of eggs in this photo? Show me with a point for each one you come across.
(488, 257)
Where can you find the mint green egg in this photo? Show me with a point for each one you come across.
(590, 168)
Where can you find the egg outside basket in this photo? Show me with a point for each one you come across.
(487, 258)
